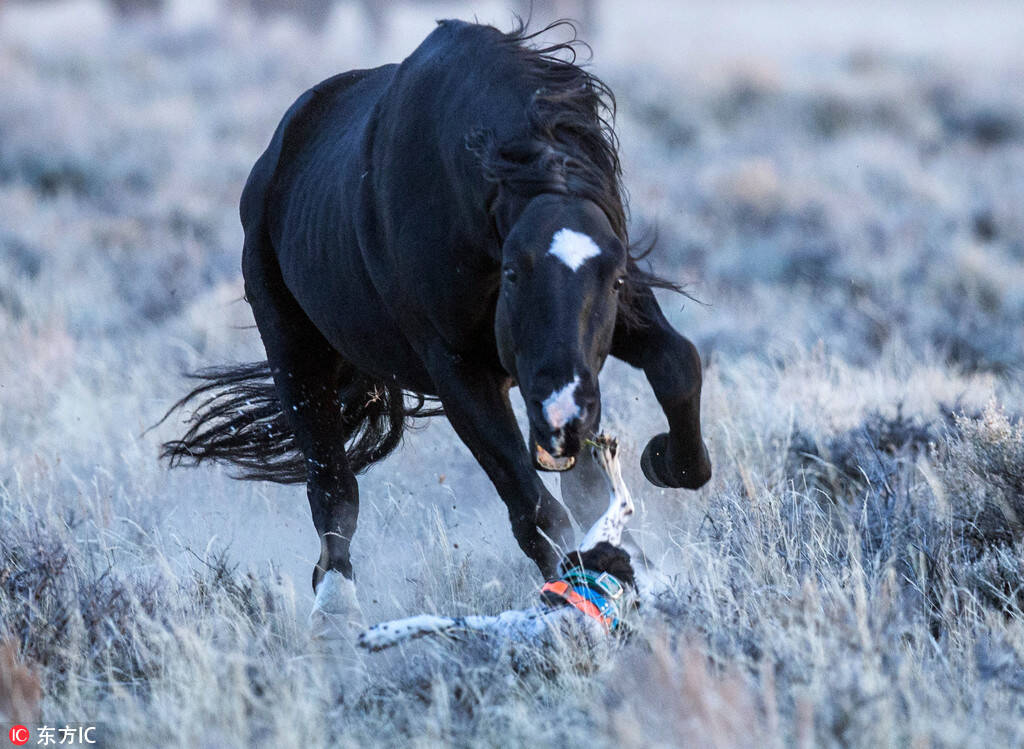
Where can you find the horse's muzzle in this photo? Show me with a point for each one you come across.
(556, 449)
(547, 462)
(559, 424)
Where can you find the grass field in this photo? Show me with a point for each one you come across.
(840, 189)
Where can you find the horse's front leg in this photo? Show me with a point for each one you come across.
(476, 403)
(678, 458)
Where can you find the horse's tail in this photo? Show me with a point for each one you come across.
(237, 418)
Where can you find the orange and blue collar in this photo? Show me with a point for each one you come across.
(598, 595)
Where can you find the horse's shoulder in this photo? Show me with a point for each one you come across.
(305, 113)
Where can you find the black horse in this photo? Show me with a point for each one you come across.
(422, 237)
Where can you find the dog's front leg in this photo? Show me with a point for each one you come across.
(521, 626)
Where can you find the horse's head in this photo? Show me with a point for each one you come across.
(562, 268)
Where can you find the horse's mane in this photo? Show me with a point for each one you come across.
(570, 148)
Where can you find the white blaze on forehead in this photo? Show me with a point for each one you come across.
(560, 407)
(573, 248)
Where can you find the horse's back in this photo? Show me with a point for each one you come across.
(300, 129)
(374, 211)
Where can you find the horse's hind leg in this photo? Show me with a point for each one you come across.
(309, 374)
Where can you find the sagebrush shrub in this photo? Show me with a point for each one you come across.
(983, 475)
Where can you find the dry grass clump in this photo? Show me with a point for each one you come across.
(101, 627)
(940, 498)
(984, 476)
(868, 455)
(64, 609)
(20, 690)
(983, 489)
(667, 693)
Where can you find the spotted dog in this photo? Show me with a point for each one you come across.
(593, 597)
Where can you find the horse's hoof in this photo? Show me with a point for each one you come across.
(660, 471)
(336, 613)
(335, 623)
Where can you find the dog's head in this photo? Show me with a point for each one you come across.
(604, 557)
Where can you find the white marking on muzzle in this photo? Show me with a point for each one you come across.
(560, 407)
(573, 248)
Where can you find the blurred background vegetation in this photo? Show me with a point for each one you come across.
(839, 185)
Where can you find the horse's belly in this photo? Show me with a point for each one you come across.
(376, 346)
(339, 299)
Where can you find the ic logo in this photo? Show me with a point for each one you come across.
(19, 735)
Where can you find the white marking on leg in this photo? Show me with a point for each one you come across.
(610, 525)
(335, 594)
(573, 248)
(335, 622)
(336, 612)
(560, 407)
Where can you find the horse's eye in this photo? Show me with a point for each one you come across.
(619, 283)
(511, 275)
